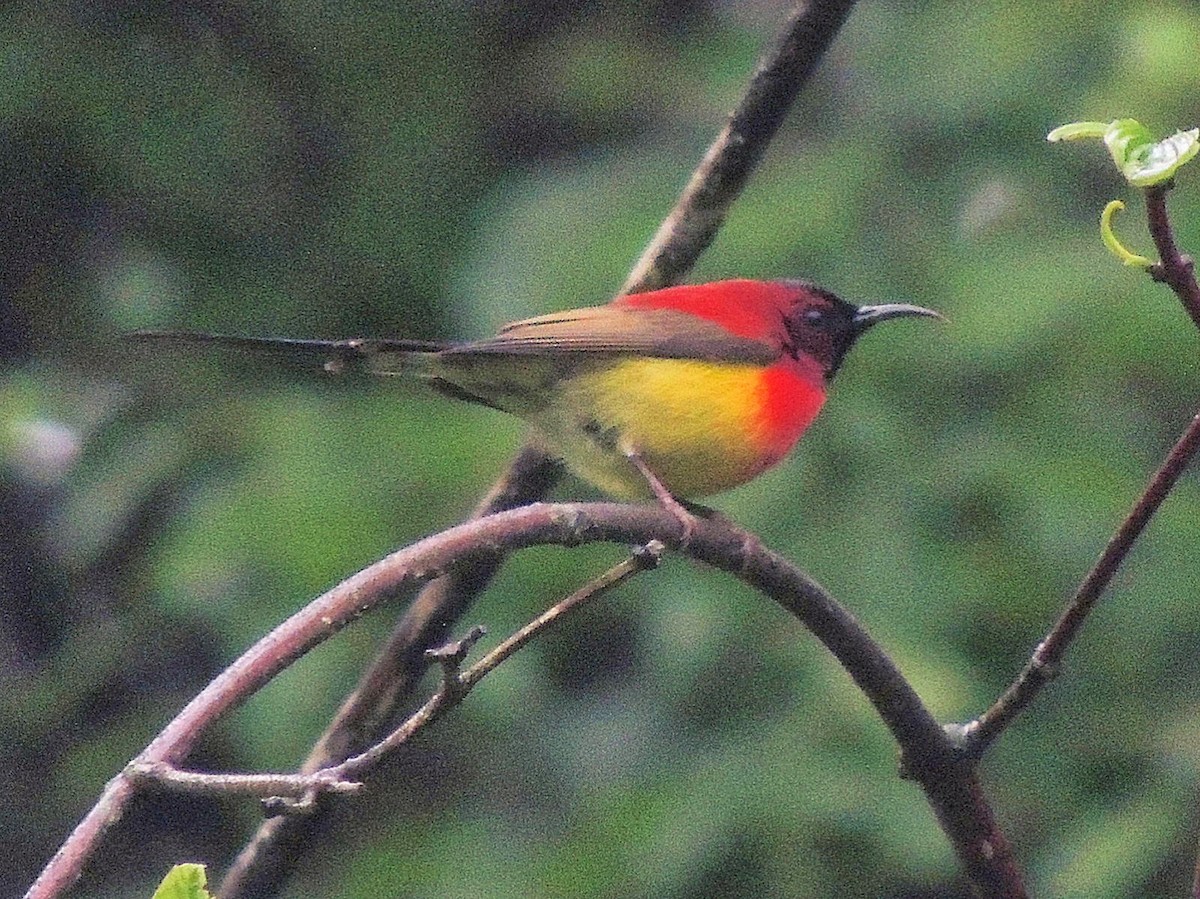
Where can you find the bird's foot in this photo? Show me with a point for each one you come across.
(666, 499)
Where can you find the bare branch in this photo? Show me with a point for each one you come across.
(1043, 664)
(930, 757)
(455, 685)
(367, 713)
(161, 775)
(726, 167)
(1178, 272)
(454, 688)
(1173, 268)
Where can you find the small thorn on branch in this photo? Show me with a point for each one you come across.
(648, 556)
(1170, 275)
(451, 656)
(146, 773)
(965, 741)
(277, 806)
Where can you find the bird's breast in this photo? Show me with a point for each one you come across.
(701, 426)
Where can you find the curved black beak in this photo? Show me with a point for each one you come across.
(870, 315)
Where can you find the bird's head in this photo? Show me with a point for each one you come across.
(825, 327)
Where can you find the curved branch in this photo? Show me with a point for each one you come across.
(367, 713)
(929, 756)
(683, 236)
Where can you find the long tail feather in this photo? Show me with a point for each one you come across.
(336, 356)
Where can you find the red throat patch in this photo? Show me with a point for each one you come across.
(789, 403)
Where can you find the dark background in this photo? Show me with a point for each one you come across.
(433, 170)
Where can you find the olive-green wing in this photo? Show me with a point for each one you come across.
(663, 333)
(517, 370)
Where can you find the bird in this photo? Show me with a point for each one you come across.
(676, 394)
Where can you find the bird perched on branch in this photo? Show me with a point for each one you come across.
(677, 393)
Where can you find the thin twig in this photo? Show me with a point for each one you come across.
(453, 689)
(931, 760)
(1177, 271)
(1044, 662)
(685, 234)
(164, 776)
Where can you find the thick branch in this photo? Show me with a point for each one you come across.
(929, 756)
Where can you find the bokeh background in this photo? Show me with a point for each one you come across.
(435, 169)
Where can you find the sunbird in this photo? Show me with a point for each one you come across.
(677, 393)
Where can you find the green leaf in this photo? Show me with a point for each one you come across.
(1143, 161)
(1127, 140)
(1077, 131)
(1160, 160)
(186, 881)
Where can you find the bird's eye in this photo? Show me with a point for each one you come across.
(814, 316)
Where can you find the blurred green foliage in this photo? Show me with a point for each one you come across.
(433, 170)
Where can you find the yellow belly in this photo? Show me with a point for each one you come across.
(698, 425)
